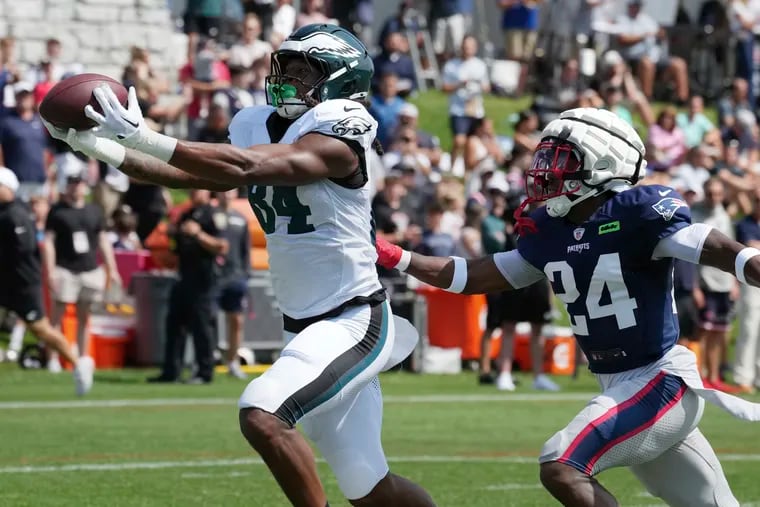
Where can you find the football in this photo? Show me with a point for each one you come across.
(63, 106)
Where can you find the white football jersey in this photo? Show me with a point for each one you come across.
(320, 235)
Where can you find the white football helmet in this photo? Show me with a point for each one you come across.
(583, 153)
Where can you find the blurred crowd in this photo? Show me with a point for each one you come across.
(457, 198)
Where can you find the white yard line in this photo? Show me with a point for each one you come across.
(232, 402)
(155, 465)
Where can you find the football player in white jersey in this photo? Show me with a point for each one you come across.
(304, 159)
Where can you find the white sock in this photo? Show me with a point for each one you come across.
(17, 336)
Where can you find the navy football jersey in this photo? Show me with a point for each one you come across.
(619, 299)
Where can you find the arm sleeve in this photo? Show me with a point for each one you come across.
(516, 270)
(685, 244)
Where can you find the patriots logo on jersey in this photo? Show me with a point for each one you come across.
(353, 125)
(667, 207)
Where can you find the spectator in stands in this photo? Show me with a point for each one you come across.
(200, 83)
(52, 58)
(385, 107)
(250, 47)
(685, 281)
(738, 181)
(150, 202)
(406, 18)
(666, 144)
(732, 104)
(238, 96)
(109, 189)
(519, 22)
(613, 98)
(451, 20)
(198, 243)
(394, 59)
(493, 232)
(747, 354)
(640, 45)
(203, 18)
(408, 116)
(561, 94)
(8, 70)
(75, 232)
(233, 285)
(312, 11)
(283, 21)
(47, 81)
(391, 217)
(481, 153)
(465, 79)
(265, 11)
(744, 131)
(434, 240)
(149, 86)
(24, 145)
(526, 135)
(356, 16)
(124, 236)
(744, 16)
(471, 239)
(696, 127)
(717, 290)
(405, 149)
(692, 173)
(215, 129)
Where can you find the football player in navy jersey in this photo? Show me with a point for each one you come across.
(607, 247)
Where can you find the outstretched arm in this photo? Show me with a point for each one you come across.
(311, 158)
(151, 170)
(704, 245)
(724, 253)
(495, 273)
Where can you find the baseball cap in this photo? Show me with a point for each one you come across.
(8, 179)
(498, 182)
(409, 110)
(23, 87)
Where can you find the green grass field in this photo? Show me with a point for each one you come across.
(179, 445)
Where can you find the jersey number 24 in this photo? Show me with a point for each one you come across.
(284, 203)
(607, 272)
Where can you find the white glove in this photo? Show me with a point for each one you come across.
(85, 141)
(127, 126)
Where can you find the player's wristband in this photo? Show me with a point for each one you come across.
(459, 280)
(741, 260)
(110, 152)
(156, 145)
(404, 261)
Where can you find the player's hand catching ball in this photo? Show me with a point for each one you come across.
(125, 125)
(88, 143)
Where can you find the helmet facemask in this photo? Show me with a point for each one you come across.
(292, 87)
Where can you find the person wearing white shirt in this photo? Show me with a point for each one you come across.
(465, 79)
(250, 48)
(640, 41)
(284, 20)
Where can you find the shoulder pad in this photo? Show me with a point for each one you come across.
(342, 118)
(656, 202)
(248, 126)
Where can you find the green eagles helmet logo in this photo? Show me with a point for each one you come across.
(322, 43)
(353, 125)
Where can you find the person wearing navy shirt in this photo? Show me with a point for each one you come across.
(24, 144)
(607, 248)
(747, 354)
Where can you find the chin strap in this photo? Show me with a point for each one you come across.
(524, 225)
